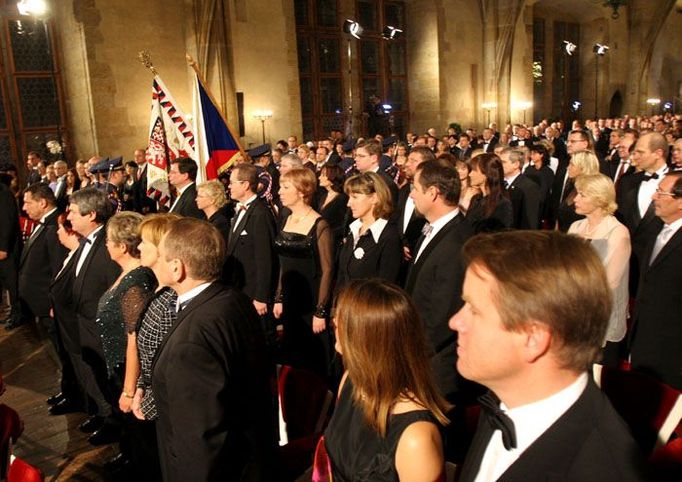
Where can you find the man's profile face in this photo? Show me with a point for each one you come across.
(81, 223)
(175, 177)
(487, 352)
(363, 160)
(575, 143)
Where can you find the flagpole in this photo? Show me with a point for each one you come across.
(192, 63)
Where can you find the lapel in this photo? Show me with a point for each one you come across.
(670, 246)
(474, 457)
(403, 194)
(235, 231)
(78, 280)
(414, 269)
(193, 304)
(31, 241)
(69, 268)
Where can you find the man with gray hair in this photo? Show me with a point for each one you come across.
(93, 274)
(60, 169)
(524, 193)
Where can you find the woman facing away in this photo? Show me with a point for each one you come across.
(596, 200)
(386, 423)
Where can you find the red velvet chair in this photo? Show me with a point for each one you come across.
(304, 403)
(651, 409)
(11, 428)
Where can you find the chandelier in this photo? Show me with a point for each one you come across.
(615, 5)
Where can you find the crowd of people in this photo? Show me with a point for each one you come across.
(417, 276)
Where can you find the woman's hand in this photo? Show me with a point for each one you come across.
(277, 310)
(319, 324)
(124, 402)
(137, 402)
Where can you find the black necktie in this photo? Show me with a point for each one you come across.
(84, 241)
(497, 419)
(649, 177)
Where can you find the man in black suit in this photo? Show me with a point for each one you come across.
(211, 375)
(463, 149)
(182, 175)
(636, 208)
(489, 141)
(657, 332)
(524, 193)
(41, 259)
(250, 260)
(560, 152)
(60, 170)
(32, 174)
(434, 281)
(543, 418)
(610, 165)
(10, 249)
(94, 273)
(143, 203)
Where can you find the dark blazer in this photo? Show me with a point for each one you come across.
(462, 154)
(588, 442)
(221, 223)
(434, 282)
(41, 259)
(96, 276)
(524, 195)
(33, 177)
(250, 260)
(143, 203)
(499, 220)
(555, 197)
(60, 194)
(61, 297)
(211, 381)
(490, 146)
(410, 233)
(656, 336)
(380, 259)
(10, 234)
(187, 204)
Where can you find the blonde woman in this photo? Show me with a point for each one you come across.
(210, 199)
(386, 421)
(582, 163)
(596, 200)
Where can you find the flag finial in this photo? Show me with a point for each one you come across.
(146, 58)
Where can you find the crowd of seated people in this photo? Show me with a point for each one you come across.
(418, 277)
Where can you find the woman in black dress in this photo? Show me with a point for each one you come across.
(332, 204)
(491, 210)
(540, 172)
(385, 425)
(211, 199)
(130, 201)
(305, 249)
(372, 247)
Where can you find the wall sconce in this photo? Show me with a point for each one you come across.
(262, 116)
(523, 105)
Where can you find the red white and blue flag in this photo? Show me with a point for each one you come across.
(170, 136)
(217, 148)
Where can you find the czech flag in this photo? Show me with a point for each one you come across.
(217, 148)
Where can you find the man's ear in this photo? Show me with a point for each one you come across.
(538, 339)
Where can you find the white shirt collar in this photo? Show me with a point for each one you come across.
(93, 234)
(675, 225)
(49, 213)
(510, 180)
(438, 224)
(376, 229)
(248, 201)
(185, 298)
(183, 189)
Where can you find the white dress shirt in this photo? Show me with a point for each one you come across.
(663, 237)
(436, 226)
(647, 190)
(185, 298)
(241, 212)
(407, 215)
(86, 249)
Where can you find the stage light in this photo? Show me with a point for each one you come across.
(600, 49)
(353, 28)
(569, 47)
(391, 33)
(36, 8)
(576, 105)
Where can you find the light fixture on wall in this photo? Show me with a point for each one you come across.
(353, 28)
(523, 105)
(262, 116)
(653, 103)
(569, 47)
(391, 33)
(487, 107)
(34, 8)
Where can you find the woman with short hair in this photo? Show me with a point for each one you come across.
(210, 199)
(386, 422)
(331, 204)
(372, 247)
(596, 200)
(581, 163)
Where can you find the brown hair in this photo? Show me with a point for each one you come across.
(550, 277)
(371, 183)
(124, 228)
(304, 181)
(372, 146)
(155, 226)
(203, 257)
(249, 173)
(385, 351)
(443, 176)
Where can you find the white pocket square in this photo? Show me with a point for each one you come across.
(243, 233)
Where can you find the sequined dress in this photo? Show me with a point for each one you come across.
(119, 310)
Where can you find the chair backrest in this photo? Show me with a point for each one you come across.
(20, 471)
(651, 408)
(10, 430)
(304, 402)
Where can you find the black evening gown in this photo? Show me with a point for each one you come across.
(356, 451)
(304, 287)
(336, 215)
(499, 220)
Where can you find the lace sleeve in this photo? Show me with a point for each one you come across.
(133, 303)
(325, 250)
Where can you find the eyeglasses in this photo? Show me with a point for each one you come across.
(661, 192)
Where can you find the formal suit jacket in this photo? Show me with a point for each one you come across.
(588, 442)
(251, 261)
(380, 259)
(143, 203)
(96, 275)
(524, 195)
(41, 259)
(434, 282)
(490, 146)
(656, 336)
(211, 381)
(10, 234)
(61, 297)
(60, 194)
(187, 204)
(33, 177)
(410, 233)
(555, 196)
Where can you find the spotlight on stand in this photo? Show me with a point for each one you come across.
(576, 105)
(668, 106)
(569, 47)
(391, 33)
(600, 49)
(387, 107)
(353, 28)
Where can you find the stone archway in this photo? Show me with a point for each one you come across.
(616, 104)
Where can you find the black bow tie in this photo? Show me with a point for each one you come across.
(497, 419)
(84, 241)
(649, 177)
